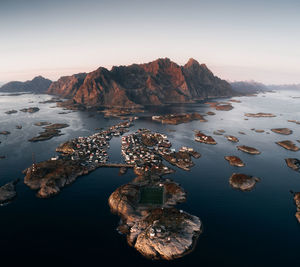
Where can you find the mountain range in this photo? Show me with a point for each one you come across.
(249, 87)
(158, 82)
(155, 83)
(37, 85)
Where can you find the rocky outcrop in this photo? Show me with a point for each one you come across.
(260, 115)
(235, 161)
(8, 192)
(232, 138)
(159, 82)
(175, 119)
(30, 110)
(297, 203)
(203, 138)
(156, 231)
(293, 163)
(249, 150)
(285, 131)
(48, 177)
(50, 131)
(38, 85)
(67, 86)
(4, 132)
(243, 182)
(225, 106)
(289, 145)
(11, 111)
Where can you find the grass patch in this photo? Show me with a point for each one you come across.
(152, 195)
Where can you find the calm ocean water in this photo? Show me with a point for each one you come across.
(256, 228)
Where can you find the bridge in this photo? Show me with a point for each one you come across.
(115, 165)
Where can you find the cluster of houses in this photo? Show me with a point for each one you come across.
(93, 149)
(135, 151)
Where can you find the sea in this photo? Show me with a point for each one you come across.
(77, 228)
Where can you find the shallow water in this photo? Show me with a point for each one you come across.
(256, 228)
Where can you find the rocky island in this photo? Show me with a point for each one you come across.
(202, 138)
(243, 182)
(8, 192)
(30, 110)
(50, 131)
(297, 203)
(249, 150)
(232, 138)
(287, 144)
(235, 161)
(120, 112)
(293, 163)
(260, 115)
(175, 119)
(5, 132)
(11, 111)
(153, 226)
(285, 131)
(225, 106)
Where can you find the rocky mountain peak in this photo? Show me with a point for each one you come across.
(161, 81)
(192, 62)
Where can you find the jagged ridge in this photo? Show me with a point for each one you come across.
(159, 82)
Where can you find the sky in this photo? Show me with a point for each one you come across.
(238, 40)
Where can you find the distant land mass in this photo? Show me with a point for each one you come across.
(285, 87)
(249, 87)
(158, 82)
(37, 85)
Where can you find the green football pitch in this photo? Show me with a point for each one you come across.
(152, 195)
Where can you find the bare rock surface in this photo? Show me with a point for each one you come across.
(8, 192)
(294, 121)
(5, 132)
(289, 145)
(260, 115)
(293, 163)
(30, 110)
(249, 150)
(232, 138)
(175, 119)
(48, 177)
(285, 131)
(155, 83)
(225, 106)
(243, 182)
(297, 203)
(235, 161)
(11, 111)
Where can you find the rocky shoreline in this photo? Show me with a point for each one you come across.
(149, 225)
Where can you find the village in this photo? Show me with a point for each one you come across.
(92, 150)
(147, 150)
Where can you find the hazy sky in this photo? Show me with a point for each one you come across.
(238, 40)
